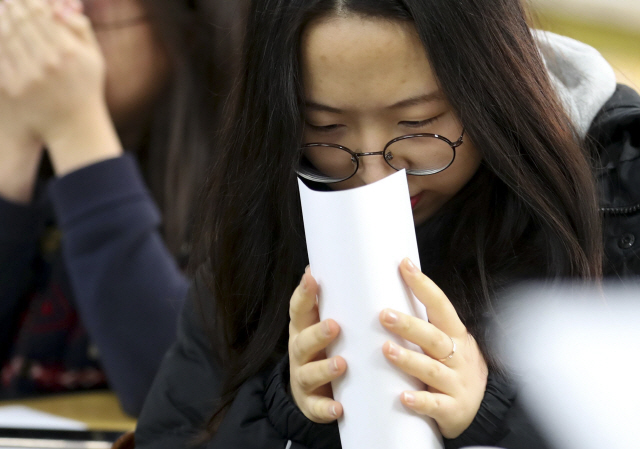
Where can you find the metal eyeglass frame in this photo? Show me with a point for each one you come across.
(356, 156)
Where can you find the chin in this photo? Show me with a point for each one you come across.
(422, 212)
(420, 217)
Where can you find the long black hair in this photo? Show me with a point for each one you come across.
(202, 40)
(534, 210)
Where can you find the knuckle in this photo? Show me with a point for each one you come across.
(294, 308)
(319, 410)
(52, 62)
(434, 370)
(308, 406)
(428, 404)
(295, 351)
(305, 382)
(441, 343)
(421, 403)
(405, 325)
(436, 404)
(298, 305)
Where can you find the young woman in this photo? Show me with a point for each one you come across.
(85, 252)
(518, 201)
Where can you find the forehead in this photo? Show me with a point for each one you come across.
(354, 61)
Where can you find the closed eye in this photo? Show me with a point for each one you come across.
(419, 124)
(325, 128)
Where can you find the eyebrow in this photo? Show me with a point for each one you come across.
(413, 101)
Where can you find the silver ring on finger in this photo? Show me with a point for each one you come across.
(453, 351)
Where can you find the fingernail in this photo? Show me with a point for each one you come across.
(393, 350)
(303, 281)
(390, 317)
(334, 366)
(410, 266)
(333, 411)
(326, 330)
(409, 398)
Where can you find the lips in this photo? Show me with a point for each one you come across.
(415, 199)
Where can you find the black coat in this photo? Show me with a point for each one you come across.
(263, 415)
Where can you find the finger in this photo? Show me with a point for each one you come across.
(75, 21)
(432, 341)
(322, 410)
(17, 57)
(436, 405)
(42, 18)
(306, 345)
(75, 5)
(428, 371)
(303, 308)
(441, 312)
(314, 375)
(31, 31)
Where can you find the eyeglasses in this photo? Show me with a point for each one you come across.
(418, 154)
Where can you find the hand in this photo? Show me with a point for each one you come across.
(53, 65)
(456, 385)
(53, 73)
(310, 370)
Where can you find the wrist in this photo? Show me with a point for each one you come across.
(18, 170)
(88, 138)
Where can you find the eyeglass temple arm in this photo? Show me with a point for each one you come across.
(460, 141)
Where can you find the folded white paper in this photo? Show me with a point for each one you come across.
(356, 240)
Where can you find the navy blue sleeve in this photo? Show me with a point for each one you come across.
(19, 230)
(128, 287)
(183, 395)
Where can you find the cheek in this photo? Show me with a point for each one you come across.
(137, 69)
(440, 188)
(453, 179)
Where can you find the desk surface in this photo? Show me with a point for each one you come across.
(98, 410)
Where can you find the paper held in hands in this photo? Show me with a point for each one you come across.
(356, 240)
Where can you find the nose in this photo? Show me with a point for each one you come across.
(373, 168)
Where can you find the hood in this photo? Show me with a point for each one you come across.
(583, 79)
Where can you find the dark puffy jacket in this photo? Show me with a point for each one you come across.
(263, 414)
(616, 131)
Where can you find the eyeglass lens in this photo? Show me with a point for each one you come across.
(420, 155)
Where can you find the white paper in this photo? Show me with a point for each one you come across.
(17, 416)
(356, 240)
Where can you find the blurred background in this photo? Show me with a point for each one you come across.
(611, 26)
